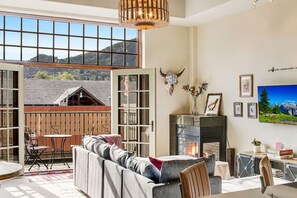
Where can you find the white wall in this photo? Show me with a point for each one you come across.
(250, 43)
(167, 48)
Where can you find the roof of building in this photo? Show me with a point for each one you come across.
(46, 92)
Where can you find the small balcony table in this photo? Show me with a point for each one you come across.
(56, 149)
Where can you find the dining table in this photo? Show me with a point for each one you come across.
(288, 190)
(58, 148)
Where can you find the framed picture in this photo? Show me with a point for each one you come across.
(237, 109)
(252, 110)
(213, 103)
(246, 85)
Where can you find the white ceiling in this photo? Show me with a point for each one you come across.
(182, 12)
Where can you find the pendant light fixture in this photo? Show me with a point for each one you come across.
(143, 14)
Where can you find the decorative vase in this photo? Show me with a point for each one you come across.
(257, 149)
(194, 108)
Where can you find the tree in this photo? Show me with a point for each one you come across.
(276, 109)
(42, 75)
(64, 76)
(264, 102)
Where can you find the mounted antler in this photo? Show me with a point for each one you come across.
(170, 80)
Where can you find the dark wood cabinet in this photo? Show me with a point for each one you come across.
(189, 130)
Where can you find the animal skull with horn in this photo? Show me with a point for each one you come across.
(170, 80)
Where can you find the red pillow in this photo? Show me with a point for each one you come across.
(156, 162)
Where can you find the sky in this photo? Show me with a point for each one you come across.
(280, 94)
(61, 41)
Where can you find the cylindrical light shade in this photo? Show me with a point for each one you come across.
(143, 14)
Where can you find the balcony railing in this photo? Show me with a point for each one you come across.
(74, 120)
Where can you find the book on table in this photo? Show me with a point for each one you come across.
(280, 152)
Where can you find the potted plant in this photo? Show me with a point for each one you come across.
(256, 146)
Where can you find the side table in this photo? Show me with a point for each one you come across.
(9, 169)
(222, 169)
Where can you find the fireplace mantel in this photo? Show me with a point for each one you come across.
(204, 129)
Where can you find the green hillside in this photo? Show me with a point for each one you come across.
(81, 74)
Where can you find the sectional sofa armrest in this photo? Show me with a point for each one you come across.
(164, 190)
(215, 184)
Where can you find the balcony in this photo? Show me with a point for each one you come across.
(72, 120)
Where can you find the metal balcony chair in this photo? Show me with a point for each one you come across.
(195, 181)
(33, 150)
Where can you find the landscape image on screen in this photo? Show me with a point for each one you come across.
(278, 104)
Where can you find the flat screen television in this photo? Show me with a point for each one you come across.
(278, 104)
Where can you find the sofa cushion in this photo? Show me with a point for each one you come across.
(144, 167)
(98, 145)
(102, 149)
(170, 170)
(119, 156)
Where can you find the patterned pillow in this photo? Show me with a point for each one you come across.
(118, 155)
(144, 167)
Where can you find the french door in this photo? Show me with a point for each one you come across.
(133, 109)
(11, 113)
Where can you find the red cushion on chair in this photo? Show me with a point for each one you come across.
(156, 162)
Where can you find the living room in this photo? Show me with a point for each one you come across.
(215, 44)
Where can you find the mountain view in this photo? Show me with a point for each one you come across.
(90, 57)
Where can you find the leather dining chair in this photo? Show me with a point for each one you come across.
(195, 181)
(266, 173)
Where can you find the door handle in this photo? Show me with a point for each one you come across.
(152, 126)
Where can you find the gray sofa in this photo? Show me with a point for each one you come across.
(103, 178)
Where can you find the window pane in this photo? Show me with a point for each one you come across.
(76, 29)
(118, 33)
(104, 59)
(61, 42)
(131, 60)
(61, 56)
(29, 54)
(76, 57)
(45, 41)
(29, 39)
(30, 25)
(76, 43)
(117, 46)
(12, 23)
(91, 30)
(90, 44)
(91, 58)
(1, 22)
(1, 37)
(46, 26)
(104, 45)
(12, 38)
(1, 52)
(131, 47)
(45, 55)
(118, 59)
(104, 32)
(61, 28)
(12, 53)
(131, 34)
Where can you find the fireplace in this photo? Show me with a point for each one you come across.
(198, 136)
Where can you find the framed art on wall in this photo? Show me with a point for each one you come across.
(246, 85)
(237, 109)
(213, 103)
(252, 110)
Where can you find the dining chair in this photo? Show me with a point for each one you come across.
(266, 177)
(195, 181)
(33, 150)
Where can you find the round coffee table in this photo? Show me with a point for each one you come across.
(9, 169)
